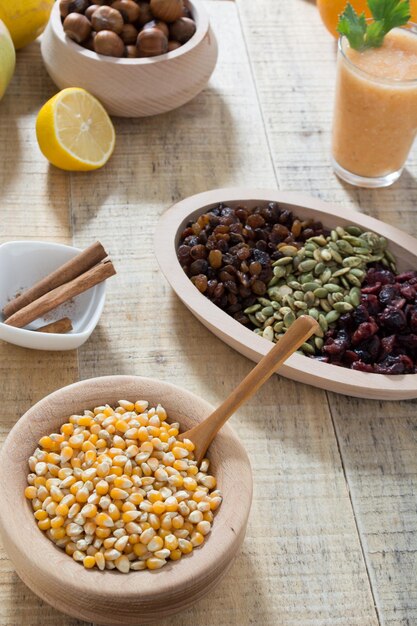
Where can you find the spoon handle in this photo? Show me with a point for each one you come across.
(203, 434)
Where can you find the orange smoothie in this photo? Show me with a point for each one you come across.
(375, 118)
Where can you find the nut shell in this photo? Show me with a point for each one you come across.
(173, 45)
(108, 43)
(77, 27)
(90, 10)
(158, 24)
(128, 9)
(72, 6)
(167, 10)
(151, 43)
(145, 14)
(106, 18)
(129, 34)
(131, 52)
(182, 30)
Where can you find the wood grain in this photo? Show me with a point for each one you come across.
(296, 100)
(133, 87)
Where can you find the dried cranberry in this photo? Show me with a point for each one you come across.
(379, 275)
(361, 314)
(388, 345)
(393, 319)
(408, 292)
(413, 320)
(388, 293)
(360, 366)
(364, 331)
(405, 276)
(372, 289)
(371, 302)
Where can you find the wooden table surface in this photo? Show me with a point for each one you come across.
(332, 535)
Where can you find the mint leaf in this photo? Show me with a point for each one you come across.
(352, 26)
(387, 14)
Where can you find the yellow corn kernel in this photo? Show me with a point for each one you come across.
(82, 495)
(190, 484)
(154, 496)
(140, 549)
(89, 510)
(208, 516)
(100, 560)
(188, 445)
(196, 539)
(39, 481)
(143, 435)
(62, 509)
(103, 533)
(208, 481)
(215, 502)
(103, 519)
(175, 555)
(177, 521)
(114, 512)
(53, 458)
(180, 465)
(57, 533)
(128, 506)
(147, 535)
(75, 462)
(185, 546)
(44, 524)
(130, 516)
(70, 548)
(30, 492)
(108, 411)
(67, 429)
(155, 544)
(126, 405)
(154, 563)
(178, 452)
(46, 442)
(119, 494)
(122, 426)
(171, 542)
(40, 515)
(89, 562)
(116, 469)
(102, 487)
(123, 482)
(158, 507)
(57, 522)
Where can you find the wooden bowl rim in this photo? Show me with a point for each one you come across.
(149, 585)
(343, 380)
(200, 16)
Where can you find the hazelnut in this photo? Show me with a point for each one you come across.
(145, 14)
(131, 52)
(128, 9)
(167, 10)
(173, 45)
(77, 27)
(186, 12)
(108, 43)
(72, 6)
(106, 18)
(129, 34)
(89, 43)
(182, 30)
(151, 42)
(90, 10)
(158, 24)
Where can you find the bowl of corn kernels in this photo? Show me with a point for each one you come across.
(104, 512)
(138, 58)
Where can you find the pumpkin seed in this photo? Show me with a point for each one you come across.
(309, 298)
(319, 342)
(353, 230)
(332, 288)
(344, 246)
(306, 266)
(353, 280)
(340, 272)
(323, 323)
(252, 309)
(342, 307)
(332, 316)
(300, 305)
(289, 318)
(326, 255)
(268, 333)
(320, 292)
(308, 349)
(285, 260)
(313, 312)
(289, 250)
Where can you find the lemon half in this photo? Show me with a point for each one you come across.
(74, 131)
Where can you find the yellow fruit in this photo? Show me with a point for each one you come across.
(74, 131)
(331, 9)
(7, 58)
(25, 19)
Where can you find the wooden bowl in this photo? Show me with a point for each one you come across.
(297, 367)
(110, 597)
(133, 87)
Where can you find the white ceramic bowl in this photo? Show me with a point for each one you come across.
(133, 87)
(22, 264)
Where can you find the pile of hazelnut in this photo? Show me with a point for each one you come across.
(128, 28)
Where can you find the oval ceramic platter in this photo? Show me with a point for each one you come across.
(297, 367)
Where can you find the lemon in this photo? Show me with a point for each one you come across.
(25, 19)
(7, 58)
(74, 131)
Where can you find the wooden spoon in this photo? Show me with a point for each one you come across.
(203, 434)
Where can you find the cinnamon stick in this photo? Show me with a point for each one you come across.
(70, 270)
(57, 296)
(64, 325)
